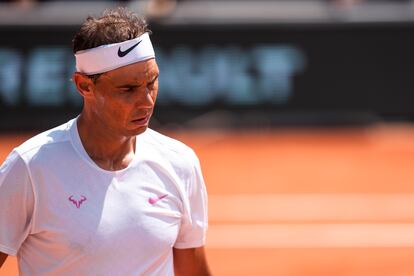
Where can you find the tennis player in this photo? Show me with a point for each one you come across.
(103, 194)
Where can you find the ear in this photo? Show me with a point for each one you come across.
(84, 85)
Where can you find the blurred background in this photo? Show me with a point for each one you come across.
(301, 113)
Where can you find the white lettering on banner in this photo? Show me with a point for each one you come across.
(46, 76)
(276, 66)
(10, 74)
(230, 75)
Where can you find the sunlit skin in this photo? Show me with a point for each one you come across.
(117, 107)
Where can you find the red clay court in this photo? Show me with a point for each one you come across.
(304, 202)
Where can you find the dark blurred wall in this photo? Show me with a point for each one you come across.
(261, 74)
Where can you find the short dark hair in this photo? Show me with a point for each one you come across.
(113, 26)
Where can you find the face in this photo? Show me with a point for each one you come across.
(124, 98)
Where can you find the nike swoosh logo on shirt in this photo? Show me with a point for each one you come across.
(124, 53)
(152, 200)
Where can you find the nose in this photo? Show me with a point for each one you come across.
(146, 99)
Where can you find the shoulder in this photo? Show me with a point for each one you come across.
(171, 152)
(44, 141)
(13, 161)
(168, 145)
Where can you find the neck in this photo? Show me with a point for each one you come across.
(108, 150)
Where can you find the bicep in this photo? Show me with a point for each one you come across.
(190, 261)
(3, 258)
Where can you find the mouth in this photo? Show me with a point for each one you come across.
(142, 120)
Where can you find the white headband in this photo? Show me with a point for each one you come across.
(108, 57)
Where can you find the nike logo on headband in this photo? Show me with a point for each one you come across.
(124, 53)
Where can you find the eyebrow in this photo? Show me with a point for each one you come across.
(130, 85)
(155, 77)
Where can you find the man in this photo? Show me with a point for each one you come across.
(103, 194)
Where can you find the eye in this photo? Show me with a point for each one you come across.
(129, 88)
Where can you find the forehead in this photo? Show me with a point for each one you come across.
(136, 72)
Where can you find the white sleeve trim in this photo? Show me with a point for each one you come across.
(8, 250)
(193, 244)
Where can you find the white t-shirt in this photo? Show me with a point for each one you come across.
(63, 215)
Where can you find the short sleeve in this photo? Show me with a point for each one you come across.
(193, 228)
(16, 204)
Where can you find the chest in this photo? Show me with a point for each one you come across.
(93, 213)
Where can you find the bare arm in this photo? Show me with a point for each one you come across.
(190, 262)
(3, 257)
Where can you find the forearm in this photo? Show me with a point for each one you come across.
(190, 262)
